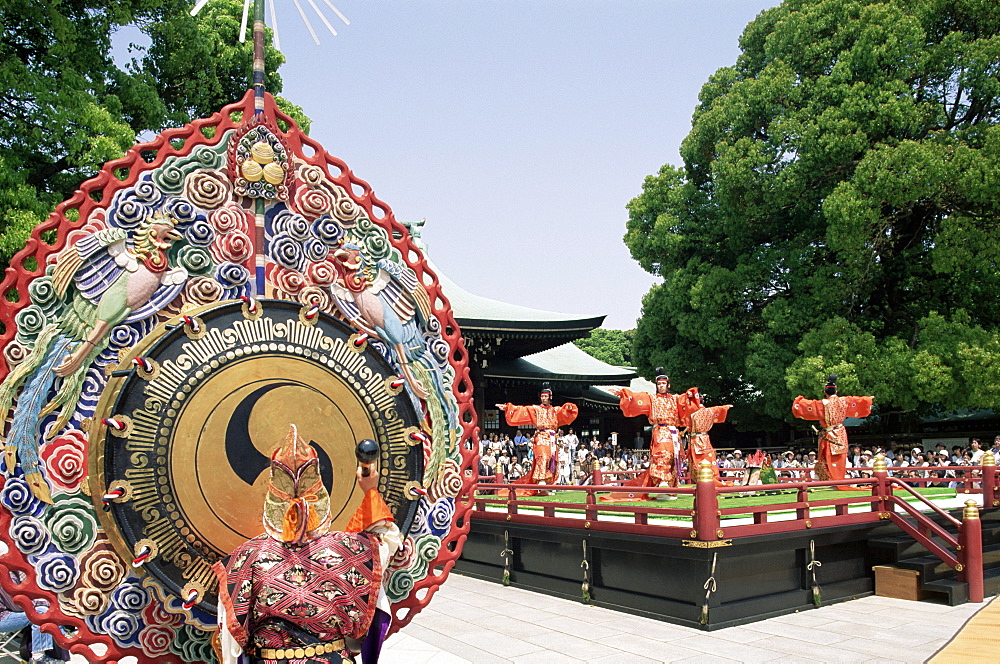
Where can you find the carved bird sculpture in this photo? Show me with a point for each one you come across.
(386, 300)
(103, 282)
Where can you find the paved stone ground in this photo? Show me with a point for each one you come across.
(478, 621)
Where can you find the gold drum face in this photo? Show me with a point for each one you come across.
(234, 422)
(197, 457)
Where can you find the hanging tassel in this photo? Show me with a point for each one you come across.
(585, 588)
(811, 567)
(709, 589)
(293, 525)
(506, 554)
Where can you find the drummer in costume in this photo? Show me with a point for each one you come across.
(831, 412)
(546, 419)
(301, 593)
(662, 409)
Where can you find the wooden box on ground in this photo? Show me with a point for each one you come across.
(899, 583)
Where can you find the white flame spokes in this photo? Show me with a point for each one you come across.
(274, 18)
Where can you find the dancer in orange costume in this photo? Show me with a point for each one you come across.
(831, 413)
(662, 409)
(546, 418)
(699, 420)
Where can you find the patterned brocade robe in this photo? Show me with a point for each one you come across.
(545, 419)
(273, 593)
(831, 413)
(662, 411)
(699, 422)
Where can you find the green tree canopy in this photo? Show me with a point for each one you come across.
(611, 346)
(68, 108)
(837, 211)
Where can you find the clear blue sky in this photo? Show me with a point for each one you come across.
(520, 129)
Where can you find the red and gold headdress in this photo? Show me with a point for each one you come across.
(297, 505)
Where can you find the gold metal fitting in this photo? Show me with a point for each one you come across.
(355, 342)
(694, 534)
(124, 486)
(705, 473)
(879, 465)
(719, 533)
(154, 549)
(971, 510)
(415, 439)
(196, 329)
(256, 314)
(306, 320)
(989, 459)
(960, 567)
(121, 433)
(151, 373)
(299, 653)
(809, 523)
(595, 465)
(393, 385)
(193, 585)
(586, 524)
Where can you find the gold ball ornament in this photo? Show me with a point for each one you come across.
(251, 170)
(274, 173)
(262, 152)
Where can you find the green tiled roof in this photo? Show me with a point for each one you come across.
(563, 363)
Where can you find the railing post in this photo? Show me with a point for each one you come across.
(706, 505)
(596, 477)
(990, 481)
(802, 496)
(881, 472)
(591, 511)
(970, 538)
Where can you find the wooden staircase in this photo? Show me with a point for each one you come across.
(938, 580)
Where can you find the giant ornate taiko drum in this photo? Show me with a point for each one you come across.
(161, 331)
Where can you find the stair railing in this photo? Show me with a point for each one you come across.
(967, 560)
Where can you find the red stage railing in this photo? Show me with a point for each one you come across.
(962, 553)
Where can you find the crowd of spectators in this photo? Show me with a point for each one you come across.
(932, 465)
(575, 457)
(939, 465)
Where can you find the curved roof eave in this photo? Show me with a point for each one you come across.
(474, 312)
(577, 327)
(565, 363)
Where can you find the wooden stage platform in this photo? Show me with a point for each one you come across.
(736, 565)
